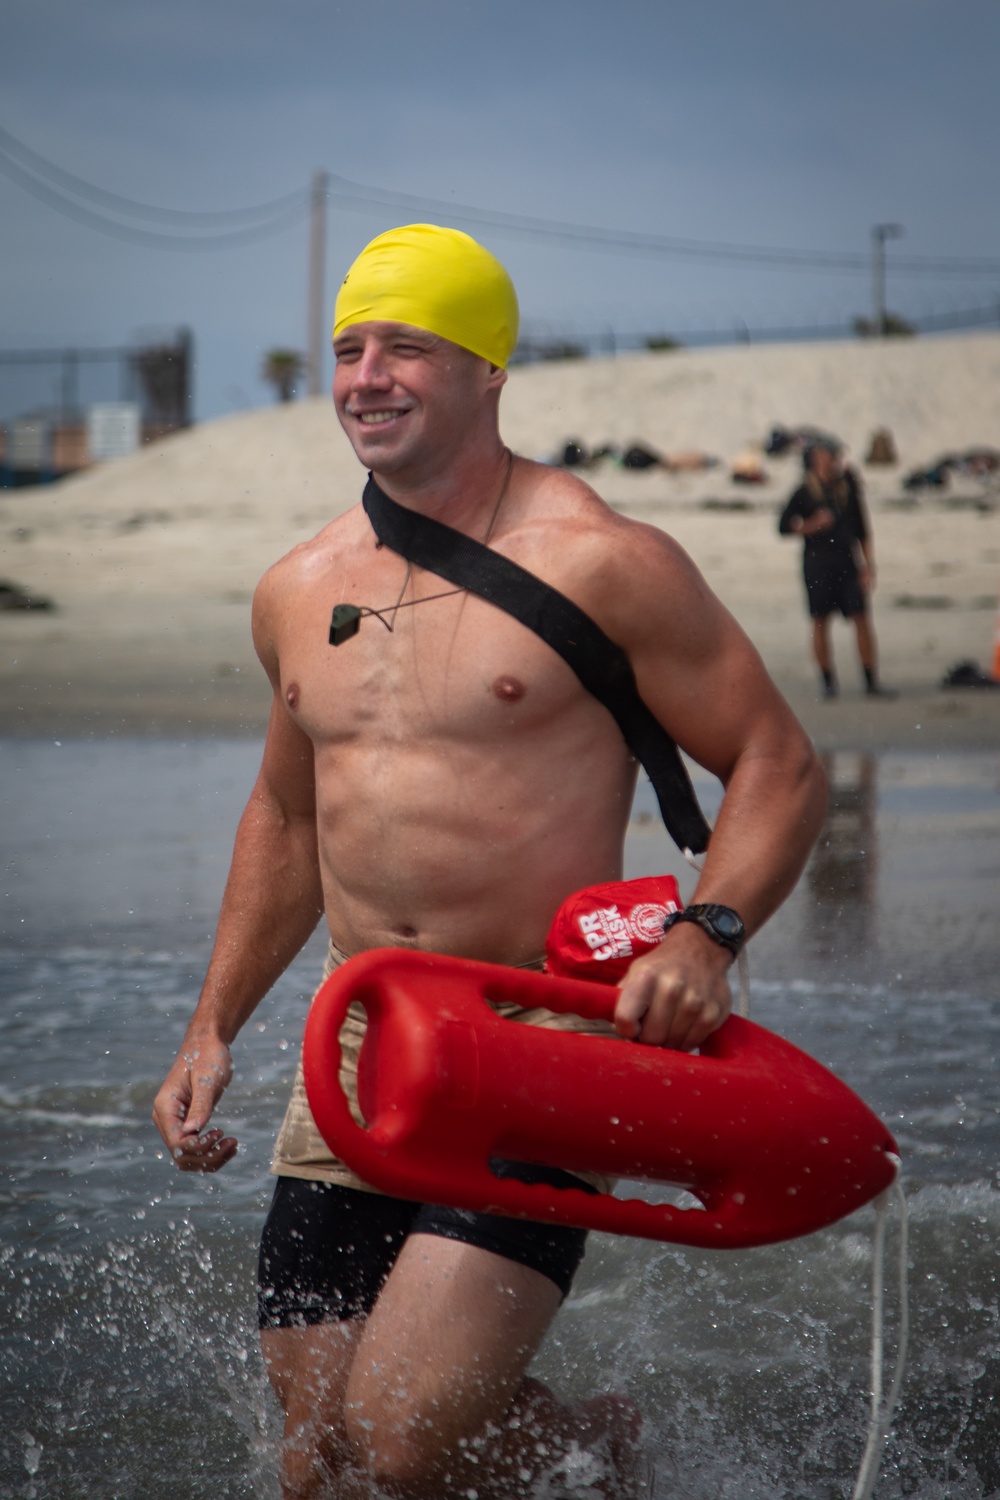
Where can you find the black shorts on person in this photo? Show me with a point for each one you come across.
(326, 1250)
(832, 585)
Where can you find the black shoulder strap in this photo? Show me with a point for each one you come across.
(602, 667)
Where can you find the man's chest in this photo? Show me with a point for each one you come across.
(452, 669)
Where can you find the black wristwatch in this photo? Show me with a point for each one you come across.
(721, 923)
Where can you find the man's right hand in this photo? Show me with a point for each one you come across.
(184, 1106)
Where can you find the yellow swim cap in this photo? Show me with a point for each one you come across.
(437, 279)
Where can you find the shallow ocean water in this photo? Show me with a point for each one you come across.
(128, 1353)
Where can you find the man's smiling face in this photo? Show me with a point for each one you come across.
(406, 397)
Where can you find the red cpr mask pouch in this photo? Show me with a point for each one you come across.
(598, 932)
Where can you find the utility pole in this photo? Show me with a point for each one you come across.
(316, 339)
(880, 234)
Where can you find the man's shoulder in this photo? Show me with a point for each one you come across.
(548, 484)
(315, 553)
(305, 567)
(586, 548)
(572, 508)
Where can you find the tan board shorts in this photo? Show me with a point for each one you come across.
(300, 1150)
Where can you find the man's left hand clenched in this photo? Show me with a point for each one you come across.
(677, 995)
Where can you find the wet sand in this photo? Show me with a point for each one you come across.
(202, 700)
(112, 663)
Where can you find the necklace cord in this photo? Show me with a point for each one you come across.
(380, 614)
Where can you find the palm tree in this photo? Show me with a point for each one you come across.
(282, 368)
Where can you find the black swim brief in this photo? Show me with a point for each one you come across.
(326, 1250)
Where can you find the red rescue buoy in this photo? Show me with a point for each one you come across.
(769, 1141)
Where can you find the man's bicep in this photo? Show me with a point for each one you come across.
(703, 679)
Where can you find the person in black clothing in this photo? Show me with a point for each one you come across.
(828, 512)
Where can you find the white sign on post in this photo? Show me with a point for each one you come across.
(114, 430)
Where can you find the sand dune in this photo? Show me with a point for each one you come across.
(934, 394)
(152, 560)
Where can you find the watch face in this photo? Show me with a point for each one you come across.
(728, 924)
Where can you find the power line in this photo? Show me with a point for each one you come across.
(194, 233)
(202, 230)
(40, 166)
(149, 239)
(594, 237)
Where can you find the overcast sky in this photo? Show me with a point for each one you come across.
(750, 122)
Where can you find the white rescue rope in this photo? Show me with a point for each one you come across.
(883, 1408)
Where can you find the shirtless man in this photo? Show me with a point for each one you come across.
(444, 786)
